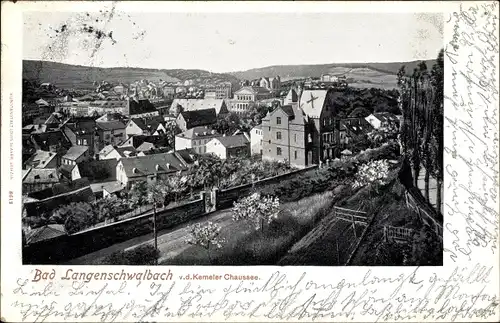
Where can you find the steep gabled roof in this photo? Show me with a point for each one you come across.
(312, 102)
(199, 104)
(140, 106)
(51, 138)
(45, 233)
(199, 132)
(40, 159)
(199, 117)
(148, 123)
(152, 164)
(233, 141)
(41, 175)
(76, 152)
(110, 125)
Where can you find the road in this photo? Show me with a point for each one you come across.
(432, 188)
(170, 241)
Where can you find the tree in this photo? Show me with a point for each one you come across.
(77, 216)
(138, 194)
(373, 173)
(386, 133)
(437, 79)
(205, 235)
(178, 184)
(257, 209)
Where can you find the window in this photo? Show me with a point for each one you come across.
(295, 154)
(278, 120)
(294, 137)
(278, 151)
(84, 141)
(37, 176)
(278, 135)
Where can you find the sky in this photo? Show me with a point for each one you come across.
(227, 42)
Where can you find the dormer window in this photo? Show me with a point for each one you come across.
(168, 166)
(37, 177)
(278, 120)
(157, 167)
(134, 170)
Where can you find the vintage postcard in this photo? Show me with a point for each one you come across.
(250, 161)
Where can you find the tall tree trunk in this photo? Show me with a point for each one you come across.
(438, 194)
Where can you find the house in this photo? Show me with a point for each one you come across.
(291, 98)
(352, 129)
(82, 131)
(382, 119)
(190, 119)
(75, 155)
(219, 91)
(53, 141)
(272, 84)
(37, 179)
(168, 91)
(70, 172)
(305, 133)
(148, 168)
(229, 146)
(243, 98)
(47, 232)
(256, 140)
(112, 116)
(112, 188)
(138, 140)
(43, 159)
(154, 126)
(101, 107)
(115, 152)
(153, 151)
(286, 136)
(34, 128)
(110, 132)
(199, 104)
(137, 108)
(195, 138)
(329, 78)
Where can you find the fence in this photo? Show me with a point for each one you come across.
(353, 216)
(225, 198)
(67, 247)
(397, 234)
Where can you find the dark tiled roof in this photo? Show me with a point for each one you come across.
(158, 141)
(199, 117)
(66, 170)
(288, 110)
(152, 164)
(385, 117)
(199, 132)
(76, 152)
(110, 125)
(41, 175)
(51, 138)
(148, 123)
(141, 106)
(233, 141)
(45, 233)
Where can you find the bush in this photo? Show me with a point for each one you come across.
(141, 256)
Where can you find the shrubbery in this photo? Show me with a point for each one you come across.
(143, 255)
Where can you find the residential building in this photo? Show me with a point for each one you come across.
(291, 98)
(101, 107)
(195, 138)
(75, 155)
(229, 146)
(286, 134)
(37, 179)
(110, 133)
(115, 152)
(149, 168)
(353, 129)
(43, 159)
(70, 172)
(382, 119)
(137, 108)
(305, 133)
(273, 84)
(53, 141)
(329, 78)
(246, 96)
(82, 131)
(112, 188)
(256, 140)
(168, 91)
(190, 119)
(199, 104)
(154, 126)
(138, 140)
(219, 91)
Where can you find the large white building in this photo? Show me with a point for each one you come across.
(195, 138)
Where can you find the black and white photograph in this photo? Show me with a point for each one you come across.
(232, 139)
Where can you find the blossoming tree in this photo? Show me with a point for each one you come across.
(257, 209)
(375, 172)
(205, 235)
